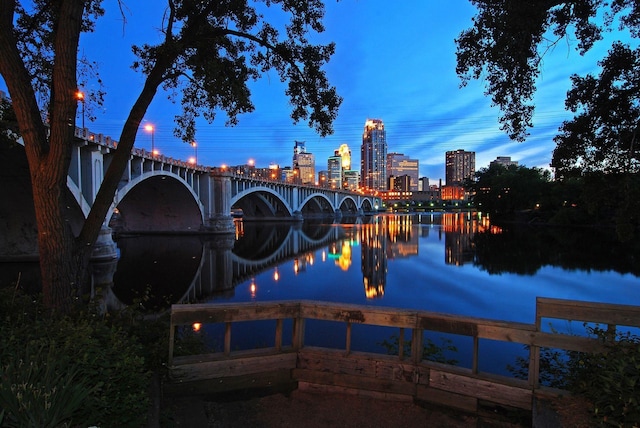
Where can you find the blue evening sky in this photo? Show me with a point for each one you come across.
(394, 61)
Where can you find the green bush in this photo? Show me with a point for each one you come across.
(67, 370)
(610, 380)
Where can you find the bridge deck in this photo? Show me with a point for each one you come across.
(409, 376)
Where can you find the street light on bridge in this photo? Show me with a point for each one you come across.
(80, 97)
(195, 152)
(151, 128)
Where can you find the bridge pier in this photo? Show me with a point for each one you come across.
(104, 248)
(219, 223)
(220, 220)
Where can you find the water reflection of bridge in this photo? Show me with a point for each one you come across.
(197, 268)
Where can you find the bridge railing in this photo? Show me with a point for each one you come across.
(405, 374)
(106, 141)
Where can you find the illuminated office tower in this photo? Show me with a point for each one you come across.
(334, 168)
(459, 165)
(345, 155)
(304, 164)
(399, 165)
(373, 156)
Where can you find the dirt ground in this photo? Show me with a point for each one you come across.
(311, 409)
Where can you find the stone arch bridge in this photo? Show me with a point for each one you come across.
(159, 194)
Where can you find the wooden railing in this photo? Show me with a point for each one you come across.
(397, 375)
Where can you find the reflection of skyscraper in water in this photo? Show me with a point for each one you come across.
(402, 236)
(373, 243)
(459, 230)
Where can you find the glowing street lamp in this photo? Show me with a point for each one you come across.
(150, 128)
(195, 151)
(80, 97)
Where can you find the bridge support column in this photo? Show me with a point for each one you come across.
(104, 248)
(337, 213)
(220, 220)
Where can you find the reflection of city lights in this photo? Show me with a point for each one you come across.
(196, 326)
(296, 266)
(344, 261)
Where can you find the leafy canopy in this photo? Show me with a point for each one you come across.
(509, 39)
(215, 48)
(603, 135)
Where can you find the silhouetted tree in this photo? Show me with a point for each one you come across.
(509, 39)
(502, 191)
(210, 50)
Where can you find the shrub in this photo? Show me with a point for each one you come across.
(71, 369)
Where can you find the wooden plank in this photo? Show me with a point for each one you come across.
(275, 381)
(446, 398)
(359, 314)
(518, 333)
(278, 338)
(481, 389)
(232, 367)
(354, 381)
(603, 313)
(448, 324)
(330, 389)
(186, 314)
(360, 364)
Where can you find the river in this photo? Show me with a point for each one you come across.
(455, 263)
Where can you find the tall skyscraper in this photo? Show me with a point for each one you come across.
(398, 165)
(334, 168)
(373, 156)
(459, 165)
(345, 155)
(304, 164)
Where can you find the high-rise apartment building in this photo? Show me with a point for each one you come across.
(459, 166)
(399, 165)
(304, 164)
(334, 169)
(373, 156)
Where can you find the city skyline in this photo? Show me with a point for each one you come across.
(396, 63)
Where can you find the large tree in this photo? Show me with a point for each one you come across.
(210, 51)
(603, 136)
(509, 38)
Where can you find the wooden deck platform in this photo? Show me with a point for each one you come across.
(405, 377)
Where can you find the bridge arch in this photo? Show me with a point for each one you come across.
(267, 202)
(317, 203)
(348, 205)
(157, 201)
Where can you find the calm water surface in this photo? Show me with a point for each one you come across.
(455, 263)
(452, 263)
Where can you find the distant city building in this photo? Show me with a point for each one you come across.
(423, 184)
(350, 179)
(323, 178)
(400, 183)
(398, 165)
(504, 161)
(459, 166)
(373, 156)
(304, 163)
(334, 169)
(452, 193)
(289, 175)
